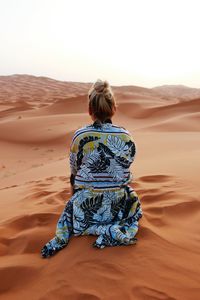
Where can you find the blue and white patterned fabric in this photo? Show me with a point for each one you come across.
(103, 203)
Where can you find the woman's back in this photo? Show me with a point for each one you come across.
(101, 155)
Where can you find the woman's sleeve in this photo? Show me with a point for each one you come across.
(131, 147)
(73, 156)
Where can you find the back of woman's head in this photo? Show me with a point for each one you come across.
(101, 100)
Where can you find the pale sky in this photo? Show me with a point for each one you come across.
(129, 42)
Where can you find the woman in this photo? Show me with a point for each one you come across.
(102, 202)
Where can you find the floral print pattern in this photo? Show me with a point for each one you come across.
(103, 203)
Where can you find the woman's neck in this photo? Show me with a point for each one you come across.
(108, 120)
(98, 123)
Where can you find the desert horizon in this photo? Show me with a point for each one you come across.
(38, 117)
(161, 87)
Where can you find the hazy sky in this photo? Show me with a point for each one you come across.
(136, 42)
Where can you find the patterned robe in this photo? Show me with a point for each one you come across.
(103, 203)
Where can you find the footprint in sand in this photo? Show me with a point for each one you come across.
(42, 192)
(143, 292)
(165, 202)
(29, 221)
(24, 234)
(50, 150)
(156, 178)
(12, 276)
(80, 295)
(36, 165)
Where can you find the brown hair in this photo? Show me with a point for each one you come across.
(101, 100)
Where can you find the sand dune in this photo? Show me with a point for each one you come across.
(73, 105)
(178, 91)
(37, 119)
(185, 122)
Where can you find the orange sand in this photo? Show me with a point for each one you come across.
(38, 118)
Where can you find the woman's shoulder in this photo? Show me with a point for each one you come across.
(81, 130)
(121, 129)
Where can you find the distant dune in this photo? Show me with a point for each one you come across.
(43, 89)
(38, 117)
(178, 91)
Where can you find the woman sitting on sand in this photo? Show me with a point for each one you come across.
(102, 201)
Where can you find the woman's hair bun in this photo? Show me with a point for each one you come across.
(102, 103)
(101, 86)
